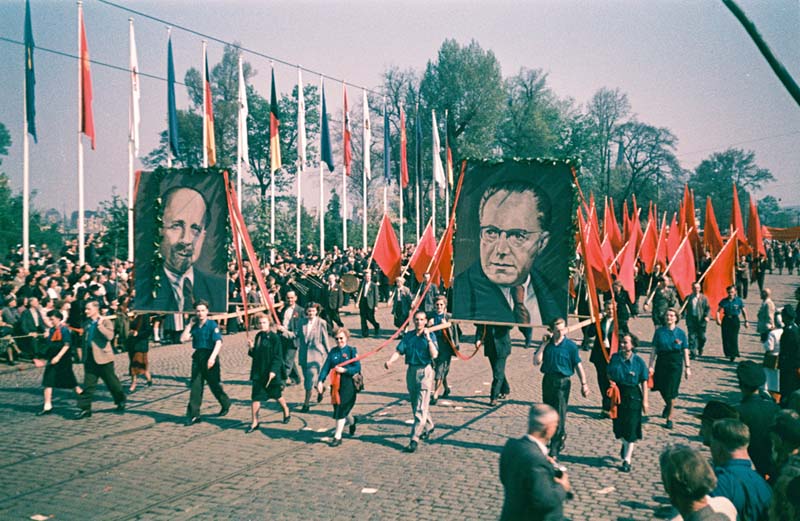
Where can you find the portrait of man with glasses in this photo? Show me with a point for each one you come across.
(521, 273)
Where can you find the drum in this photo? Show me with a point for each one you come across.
(350, 283)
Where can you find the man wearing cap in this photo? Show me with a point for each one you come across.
(757, 411)
(789, 357)
(713, 411)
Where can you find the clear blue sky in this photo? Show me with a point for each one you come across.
(686, 65)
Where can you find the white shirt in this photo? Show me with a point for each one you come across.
(530, 300)
(176, 283)
(538, 442)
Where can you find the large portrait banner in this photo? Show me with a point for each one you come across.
(181, 240)
(514, 242)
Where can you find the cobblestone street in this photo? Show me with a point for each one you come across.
(145, 464)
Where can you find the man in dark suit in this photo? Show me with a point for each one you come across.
(185, 221)
(496, 341)
(533, 490)
(696, 315)
(333, 301)
(31, 323)
(98, 361)
(367, 302)
(599, 360)
(512, 282)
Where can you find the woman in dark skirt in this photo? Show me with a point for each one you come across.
(670, 358)
(266, 372)
(629, 372)
(138, 345)
(343, 392)
(58, 371)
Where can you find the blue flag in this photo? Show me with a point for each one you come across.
(30, 77)
(326, 153)
(172, 112)
(387, 148)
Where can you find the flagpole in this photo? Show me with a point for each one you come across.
(365, 142)
(131, 145)
(448, 168)
(241, 137)
(205, 101)
(433, 171)
(169, 135)
(321, 180)
(344, 170)
(26, 246)
(417, 177)
(81, 230)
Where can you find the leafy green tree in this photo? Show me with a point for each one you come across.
(115, 237)
(770, 213)
(716, 175)
(605, 113)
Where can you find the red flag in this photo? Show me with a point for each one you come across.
(737, 225)
(208, 113)
(87, 116)
(627, 269)
(348, 148)
(682, 211)
(403, 146)
(591, 286)
(674, 238)
(626, 225)
(712, 239)
(754, 231)
(274, 124)
(445, 267)
(694, 237)
(647, 252)
(720, 274)
(387, 250)
(682, 269)
(636, 225)
(423, 253)
(596, 260)
(661, 248)
(611, 227)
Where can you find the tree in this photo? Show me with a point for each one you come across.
(606, 111)
(533, 120)
(771, 213)
(115, 237)
(5, 141)
(716, 175)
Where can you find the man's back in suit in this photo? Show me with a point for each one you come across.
(531, 493)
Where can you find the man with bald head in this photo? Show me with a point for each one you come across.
(533, 488)
(183, 233)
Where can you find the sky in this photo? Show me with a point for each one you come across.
(685, 64)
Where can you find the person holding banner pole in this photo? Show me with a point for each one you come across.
(343, 391)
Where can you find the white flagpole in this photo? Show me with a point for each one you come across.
(301, 155)
(402, 215)
(133, 138)
(344, 174)
(366, 166)
(242, 154)
(321, 179)
(447, 174)
(81, 224)
(26, 189)
(418, 177)
(169, 146)
(433, 172)
(205, 122)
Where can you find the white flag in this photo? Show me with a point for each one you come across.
(367, 137)
(133, 110)
(301, 122)
(438, 168)
(243, 149)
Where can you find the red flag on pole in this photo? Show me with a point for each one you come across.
(274, 126)
(754, 231)
(403, 153)
(627, 269)
(712, 239)
(87, 115)
(445, 267)
(348, 148)
(596, 260)
(423, 253)
(694, 237)
(647, 252)
(208, 113)
(682, 269)
(720, 274)
(387, 250)
(737, 224)
(611, 227)
(674, 238)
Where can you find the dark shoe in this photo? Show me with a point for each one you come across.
(150, 383)
(377, 330)
(83, 413)
(287, 419)
(191, 421)
(427, 434)
(336, 442)
(434, 400)
(304, 408)
(224, 410)
(492, 403)
(446, 392)
(352, 427)
(45, 412)
(131, 391)
(412, 447)
(121, 407)
(12, 362)
(668, 425)
(626, 467)
(664, 413)
(319, 396)
(252, 428)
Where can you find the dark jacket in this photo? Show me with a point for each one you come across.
(267, 355)
(206, 286)
(527, 476)
(369, 299)
(496, 340)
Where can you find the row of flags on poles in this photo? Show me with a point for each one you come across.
(442, 174)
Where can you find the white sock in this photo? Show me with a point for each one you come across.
(339, 428)
(629, 451)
